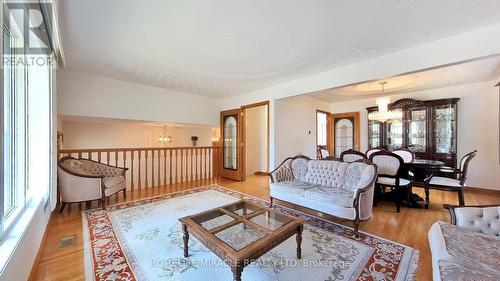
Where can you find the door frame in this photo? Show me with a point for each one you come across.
(357, 133)
(240, 174)
(243, 108)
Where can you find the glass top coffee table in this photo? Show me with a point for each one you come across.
(241, 232)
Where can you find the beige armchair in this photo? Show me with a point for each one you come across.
(83, 180)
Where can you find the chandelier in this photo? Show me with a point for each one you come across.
(164, 138)
(383, 114)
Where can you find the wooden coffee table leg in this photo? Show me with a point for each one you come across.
(185, 237)
(300, 228)
(236, 273)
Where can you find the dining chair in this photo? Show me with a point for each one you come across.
(322, 152)
(372, 150)
(455, 183)
(352, 155)
(405, 153)
(390, 167)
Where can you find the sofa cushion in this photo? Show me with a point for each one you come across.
(299, 168)
(110, 182)
(470, 247)
(292, 187)
(326, 173)
(451, 270)
(334, 195)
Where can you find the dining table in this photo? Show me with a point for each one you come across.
(421, 169)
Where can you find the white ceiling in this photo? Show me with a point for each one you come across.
(224, 48)
(469, 72)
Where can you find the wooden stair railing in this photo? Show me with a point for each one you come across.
(156, 166)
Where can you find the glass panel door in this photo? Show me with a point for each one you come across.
(417, 128)
(230, 150)
(394, 134)
(373, 134)
(445, 129)
(232, 144)
(344, 135)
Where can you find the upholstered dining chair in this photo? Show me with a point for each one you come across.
(455, 182)
(372, 150)
(322, 152)
(405, 153)
(389, 174)
(352, 155)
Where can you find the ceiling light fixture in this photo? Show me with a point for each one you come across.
(164, 138)
(383, 114)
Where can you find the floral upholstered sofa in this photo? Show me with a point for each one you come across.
(468, 248)
(332, 187)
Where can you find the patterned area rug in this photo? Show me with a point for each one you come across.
(142, 240)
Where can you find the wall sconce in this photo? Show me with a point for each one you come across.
(164, 138)
(215, 135)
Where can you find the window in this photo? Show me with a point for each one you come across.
(321, 127)
(26, 127)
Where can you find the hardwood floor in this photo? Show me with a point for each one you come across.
(409, 227)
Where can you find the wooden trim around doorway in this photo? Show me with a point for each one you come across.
(357, 133)
(244, 107)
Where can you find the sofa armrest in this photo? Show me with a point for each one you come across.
(283, 172)
(480, 218)
(363, 197)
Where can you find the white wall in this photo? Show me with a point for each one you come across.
(95, 96)
(295, 126)
(85, 134)
(256, 139)
(477, 125)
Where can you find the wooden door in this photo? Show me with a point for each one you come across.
(345, 132)
(233, 142)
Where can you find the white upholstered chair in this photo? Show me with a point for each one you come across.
(455, 182)
(372, 150)
(83, 180)
(322, 152)
(352, 155)
(405, 153)
(389, 173)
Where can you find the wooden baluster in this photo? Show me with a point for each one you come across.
(152, 168)
(79, 155)
(99, 156)
(210, 159)
(182, 165)
(204, 165)
(124, 158)
(205, 161)
(164, 167)
(107, 156)
(159, 157)
(170, 153)
(196, 164)
(116, 159)
(176, 167)
(191, 160)
(139, 178)
(89, 154)
(132, 170)
(146, 172)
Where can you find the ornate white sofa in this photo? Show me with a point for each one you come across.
(332, 187)
(468, 248)
(86, 180)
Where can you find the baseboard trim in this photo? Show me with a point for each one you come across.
(260, 173)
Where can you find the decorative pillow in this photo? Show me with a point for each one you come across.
(299, 168)
(353, 174)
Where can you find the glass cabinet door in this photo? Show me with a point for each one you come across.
(394, 134)
(445, 128)
(417, 128)
(230, 149)
(373, 134)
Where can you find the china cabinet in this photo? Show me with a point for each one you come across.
(428, 128)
